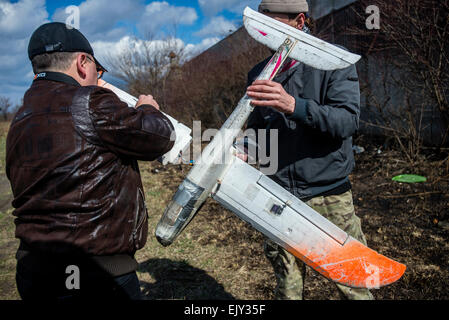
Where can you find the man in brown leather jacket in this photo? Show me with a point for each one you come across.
(71, 158)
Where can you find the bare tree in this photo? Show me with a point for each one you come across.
(146, 64)
(205, 88)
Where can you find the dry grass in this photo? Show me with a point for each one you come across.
(209, 260)
(4, 126)
(218, 256)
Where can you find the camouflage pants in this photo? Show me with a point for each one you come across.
(290, 271)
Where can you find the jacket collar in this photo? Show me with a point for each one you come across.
(56, 76)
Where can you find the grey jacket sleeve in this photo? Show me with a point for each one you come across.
(255, 120)
(339, 115)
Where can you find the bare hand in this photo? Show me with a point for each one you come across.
(143, 99)
(242, 153)
(242, 156)
(268, 93)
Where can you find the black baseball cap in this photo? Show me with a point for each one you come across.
(59, 37)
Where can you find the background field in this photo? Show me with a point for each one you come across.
(219, 256)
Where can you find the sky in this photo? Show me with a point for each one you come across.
(111, 26)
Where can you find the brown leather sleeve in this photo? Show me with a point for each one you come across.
(143, 133)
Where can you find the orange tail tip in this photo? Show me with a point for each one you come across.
(365, 269)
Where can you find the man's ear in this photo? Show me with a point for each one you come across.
(300, 20)
(81, 62)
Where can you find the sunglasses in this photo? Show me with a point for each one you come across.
(100, 71)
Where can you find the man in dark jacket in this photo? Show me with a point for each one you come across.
(316, 113)
(71, 158)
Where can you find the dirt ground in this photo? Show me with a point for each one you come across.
(406, 222)
(218, 256)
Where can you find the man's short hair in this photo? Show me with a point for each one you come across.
(292, 16)
(55, 61)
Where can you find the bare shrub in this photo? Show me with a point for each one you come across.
(5, 104)
(407, 78)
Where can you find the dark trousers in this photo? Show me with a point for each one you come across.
(72, 279)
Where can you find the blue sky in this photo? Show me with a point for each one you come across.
(110, 25)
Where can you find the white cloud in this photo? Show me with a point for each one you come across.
(193, 50)
(17, 22)
(158, 14)
(212, 7)
(107, 51)
(98, 18)
(105, 23)
(109, 26)
(104, 48)
(217, 26)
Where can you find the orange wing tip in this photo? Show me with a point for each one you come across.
(355, 265)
